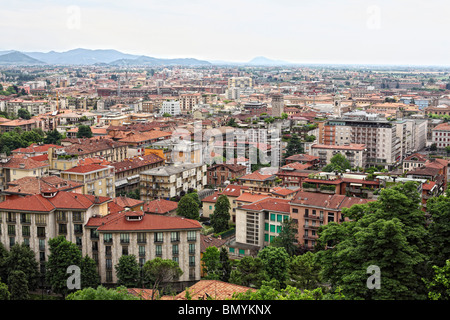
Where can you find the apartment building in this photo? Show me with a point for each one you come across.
(257, 224)
(171, 107)
(311, 210)
(441, 135)
(356, 154)
(20, 166)
(127, 171)
(37, 218)
(378, 135)
(240, 82)
(145, 236)
(189, 100)
(218, 174)
(98, 179)
(171, 180)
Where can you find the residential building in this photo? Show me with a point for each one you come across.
(171, 180)
(161, 206)
(127, 171)
(356, 154)
(146, 236)
(311, 210)
(257, 181)
(171, 107)
(219, 174)
(97, 179)
(37, 218)
(257, 224)
(441, 135)
(240, 82)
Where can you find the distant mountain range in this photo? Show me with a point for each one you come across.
(115, 58)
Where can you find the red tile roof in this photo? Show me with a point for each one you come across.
(62, 200)
(149, 222)
(136, 162)
(127, 202)
(86, 168)
(272, 204)
(216, 289)
(24, 163)
(160, 206)
(321, 200)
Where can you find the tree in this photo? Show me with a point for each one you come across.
(89, 273)
(225, 265)
(287, 237)
(3, 262)
(4, 291)
(188, 208)
(439, 229)
(439, 286)
(193, 195)
(24, 114)
(294, 146)
(211, 263)
(84, 131)
(388, 233)
(275, 261)
(160, 271)
(102, 293)
(22, 258)
(221, 215)
(304, 271)
(267, 292)
(63, 254)
(337, 163)
(18, 285)
(249, 272)
(53, 137)
(128, 271)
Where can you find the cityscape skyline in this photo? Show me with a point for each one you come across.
(323, 32)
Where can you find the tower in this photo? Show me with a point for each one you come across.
(277, 104)
(337, 104)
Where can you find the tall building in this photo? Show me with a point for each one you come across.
(383, 145)
(240, 82)
(277, 104)
(171, 107)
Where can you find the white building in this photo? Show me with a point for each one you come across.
(171, 107)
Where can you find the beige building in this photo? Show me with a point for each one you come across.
(171, 180)
(355, 153)
(35, 219)
(146, 236)
(240, 82)
(98, 179)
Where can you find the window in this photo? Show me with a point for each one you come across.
(41, 232)
(94, 234)
(107, 237)
(78, 228)
(266, 227)
(191, 248)
(159, 237)
(231, 250)
(11, 230)
(25, 218)
(125, 250)
(272, 217)
(26, 231)
(191, 235)
(174, 249)
(330, 217)
(41, 244)
(141, 237)
(158, 250)
(272, 228)
(175, 236)
(294, 210)
(124, 238)
(279, 217)
(191, 261)
(12, 241)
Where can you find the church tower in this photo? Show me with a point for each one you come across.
(277, 104)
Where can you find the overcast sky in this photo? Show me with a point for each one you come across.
(313, 31)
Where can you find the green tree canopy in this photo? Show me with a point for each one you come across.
(84, 131)
(287, 237)
(337, 163)
(160, 271)
(211, 263)
(63, 254)
(128, 271)
(22, 258)
(249, 272)
(102, 293)
(275, 261)
(294, 146)
(221, 215)
(89, 273)
(24, 114)
(188, 208)
(304, 271)
(388, 233)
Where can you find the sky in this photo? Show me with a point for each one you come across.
(413, 32)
